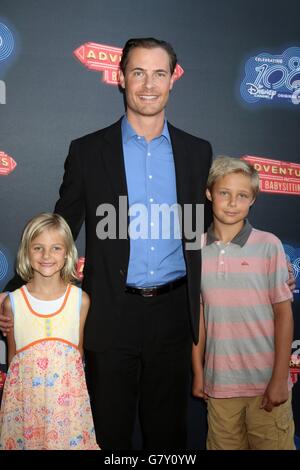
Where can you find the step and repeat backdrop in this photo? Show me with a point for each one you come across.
(238, 86)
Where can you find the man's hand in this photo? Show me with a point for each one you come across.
(291, 282)
(6, 323)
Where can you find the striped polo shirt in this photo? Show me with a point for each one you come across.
(240, 282)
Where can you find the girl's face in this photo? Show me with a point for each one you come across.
(47, 253)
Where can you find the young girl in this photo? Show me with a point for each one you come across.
(45, 401)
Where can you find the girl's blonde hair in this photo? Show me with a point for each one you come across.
(33, 229)
(223, 166)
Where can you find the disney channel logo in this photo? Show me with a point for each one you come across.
(270, 78)
(6, 267)
(293, 256)
(7, 45)
(3, 265)
(7, 42)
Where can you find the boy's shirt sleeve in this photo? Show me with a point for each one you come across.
(279, 291)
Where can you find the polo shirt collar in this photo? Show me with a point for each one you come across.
(240, 239)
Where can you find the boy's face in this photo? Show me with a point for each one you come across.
(231, 198)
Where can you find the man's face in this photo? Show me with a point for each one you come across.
(147, 81)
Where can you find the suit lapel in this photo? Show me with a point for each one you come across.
(181, 166)
(113, 159)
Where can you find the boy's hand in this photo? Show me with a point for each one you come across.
(197, 387)
(6, 323)
(275, 395)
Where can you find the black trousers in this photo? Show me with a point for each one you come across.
(149, 364)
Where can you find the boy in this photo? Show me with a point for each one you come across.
(246, 321)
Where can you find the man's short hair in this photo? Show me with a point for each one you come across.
(147, 43)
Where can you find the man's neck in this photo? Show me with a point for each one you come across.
(225, 232)
(148, 127)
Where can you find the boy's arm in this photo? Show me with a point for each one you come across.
(85, 305)
(277, 389)
(11, 344)
(198, 359)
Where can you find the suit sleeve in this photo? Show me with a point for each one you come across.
(208, 216)
(71, 204)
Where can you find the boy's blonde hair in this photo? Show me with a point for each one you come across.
(33, 229)
(223, 166)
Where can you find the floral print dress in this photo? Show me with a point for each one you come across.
(45, 402)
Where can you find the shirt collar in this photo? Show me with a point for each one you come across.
(128, 132)
(240, 239)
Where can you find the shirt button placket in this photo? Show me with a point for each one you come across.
(221, 260)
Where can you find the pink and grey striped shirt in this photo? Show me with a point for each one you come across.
(240, 282)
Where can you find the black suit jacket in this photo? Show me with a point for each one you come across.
(95, 174)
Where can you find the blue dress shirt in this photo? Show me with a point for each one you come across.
(156, 254)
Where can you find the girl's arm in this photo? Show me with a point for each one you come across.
(85, 305)
(277, 390)
(11, 344)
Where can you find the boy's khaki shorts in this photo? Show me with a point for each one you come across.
(240, 424)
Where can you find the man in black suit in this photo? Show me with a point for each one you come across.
(144, 291)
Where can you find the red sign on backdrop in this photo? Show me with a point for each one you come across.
(276, 176)
(106, 59)
(7, 163)
(294, 372)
